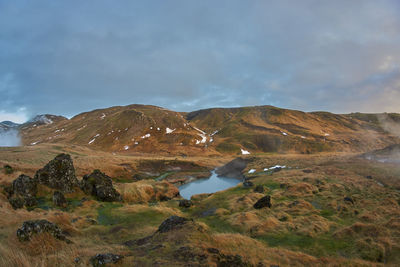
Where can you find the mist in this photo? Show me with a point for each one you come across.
(10, 138)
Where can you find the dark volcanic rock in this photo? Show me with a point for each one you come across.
(22, 192)
(172, 223)
(185, 203)
(248, 183)
(59, 174)
(349, 199)
(100, 185)
(24, 186)
(263, 202)
(30, 228)
(59, 199)
(103, 259)
(259, 189)
(234, 168)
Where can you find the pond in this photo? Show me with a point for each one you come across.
(210, 185)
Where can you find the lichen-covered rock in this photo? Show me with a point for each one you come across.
(24, 186)
(59, 199)
(100, 185)
(58, 174)
(29, 228)
(263, 202)
(185, 203)
(22, 192)
(172, 223)
(103, 259)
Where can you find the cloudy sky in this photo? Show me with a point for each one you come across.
(66, 57)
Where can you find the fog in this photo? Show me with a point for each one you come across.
(9, 138)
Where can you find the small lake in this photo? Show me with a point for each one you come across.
(210, 185)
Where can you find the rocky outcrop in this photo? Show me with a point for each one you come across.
(58, 174)
(59, 199)
(259, 189)
(184, 203)
(103, 259)
(100, 186)
(263, 202)
(29, 228)
(234, 168)
(172, 223)
(22, 192)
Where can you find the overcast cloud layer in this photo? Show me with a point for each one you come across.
(65, 57)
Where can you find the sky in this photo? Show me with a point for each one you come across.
(67, 57)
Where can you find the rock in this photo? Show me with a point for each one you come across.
(233, 169)
(263, 202)
(138, 177)
(189, 255)
(103, 259)
(248, 183)
(259, 189)
(77, 260)
(16, 202)
(100, 185)
(349, 199)
(185, 203)
(58, 174)
(307, 171)
(172, 223)
(213, 250)
(8, 169)
(30, 228)
(59, 199)
(24, 186)
(368, 177)
(22, 192)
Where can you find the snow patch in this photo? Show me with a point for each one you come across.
(274, 167)
(168, 130)
(34, 143)
(252, 171)
(126, 147)
(285, 134)
(303, 137)
(245, 152)
(145, 136)
(102, 116)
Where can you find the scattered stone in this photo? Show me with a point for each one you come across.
(30, 228)
(100, 185)
(259, 189)
(263, 202)
(185, 203)
(59, 199)
(172, 223)
(77, 260)
(58, 174)
(8, 169)
(248, 183)
(307, 171)
(103, 259)
(368, 177)
(349, 199)
(213, 250)
(16, 202)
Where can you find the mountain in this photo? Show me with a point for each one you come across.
(151, 129)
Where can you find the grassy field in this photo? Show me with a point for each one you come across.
(309, 223)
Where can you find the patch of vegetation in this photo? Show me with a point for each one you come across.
(226, 147)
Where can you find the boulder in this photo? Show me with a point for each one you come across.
(263, 202)
(172, 223)
(248, 183)
(348, 199)
(59, 199)
(103, 259)
(24, 186)
(22, 192)
(58, 174)
(100, 185)
(259, 189)
(234, 168)
(185, 203)
(29, 228)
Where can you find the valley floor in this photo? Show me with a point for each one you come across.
(326, 210)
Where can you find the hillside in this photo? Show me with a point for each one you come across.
(267, 129)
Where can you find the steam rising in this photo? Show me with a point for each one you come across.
(390, 124)
(9, 138)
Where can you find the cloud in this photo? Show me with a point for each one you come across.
(9, 138)
(73, 56)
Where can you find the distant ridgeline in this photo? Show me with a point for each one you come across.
(246, 130)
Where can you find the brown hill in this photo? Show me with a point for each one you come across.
(151, 129)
